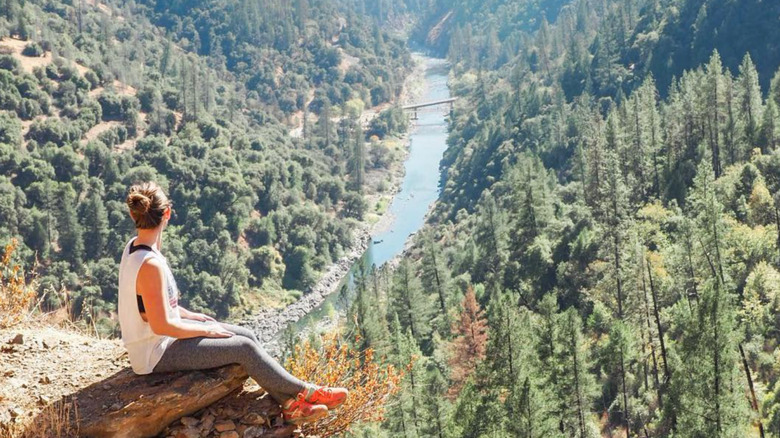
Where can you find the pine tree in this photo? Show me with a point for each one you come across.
(710, 403)
(750, 106)
(404, 417)
(613, 211)
(530, 411)
(713, 102)
(95, 220)
(358, 159)
(367, 312)
(529, 258)
(324, 123)
(436, 277)
(71, 243)
(574, 386)
(412, 305)
(490, 237)
(468, 347)
(769, 136)
(435, 408)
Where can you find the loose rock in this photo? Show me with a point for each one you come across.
(188, 433)
(189, 421)
(253, 432)
(253, 418)
(207, 422)
(223, 426)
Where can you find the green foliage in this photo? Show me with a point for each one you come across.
(392, 121)
(114, 103)
(610, 188)
(32, 49)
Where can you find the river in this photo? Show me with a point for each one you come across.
(419, 189)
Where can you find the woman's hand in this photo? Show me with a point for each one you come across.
(200, 317)
(194, 316)
(217, 331)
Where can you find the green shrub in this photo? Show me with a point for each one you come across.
(33, 50)
(9, 63)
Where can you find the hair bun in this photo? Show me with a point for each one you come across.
(138, 202)
(147, 204)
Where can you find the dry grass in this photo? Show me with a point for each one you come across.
(335, 364)
(17, 295)
(57, 420)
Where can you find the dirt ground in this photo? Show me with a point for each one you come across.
(40, 364)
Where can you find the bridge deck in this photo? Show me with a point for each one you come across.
(432, 103)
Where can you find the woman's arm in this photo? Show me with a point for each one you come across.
(150, 285)
(194, 316)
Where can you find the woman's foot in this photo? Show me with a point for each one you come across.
(330, 397)
(298, 411)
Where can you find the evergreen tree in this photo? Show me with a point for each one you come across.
(95, 219)
(769, 136)
(436, 277)
(70, 241)
(713, 101)
(435, 407)
(358, 159)
(750, 106)
(574, 386)
(490, 237)
(412, 306)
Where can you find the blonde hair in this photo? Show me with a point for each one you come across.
(147, 203)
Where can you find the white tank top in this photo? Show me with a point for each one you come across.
(144, 346)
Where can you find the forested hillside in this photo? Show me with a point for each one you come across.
(604, 256)
(98, 95)
(294, 56)
(603, 259)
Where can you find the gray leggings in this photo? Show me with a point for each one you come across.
(243, 348)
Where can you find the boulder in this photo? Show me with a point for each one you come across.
(148, 404)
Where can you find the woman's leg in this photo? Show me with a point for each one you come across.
(247, 333)
(241, 331)
(204, 353)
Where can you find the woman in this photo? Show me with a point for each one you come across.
(162, 336)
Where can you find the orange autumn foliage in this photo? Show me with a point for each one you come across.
(468, 347)
(16, 294)
(370, 383)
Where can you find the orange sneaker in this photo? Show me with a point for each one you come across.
(298, 411)
(330, 397)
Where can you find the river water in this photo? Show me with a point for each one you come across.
(419, 189)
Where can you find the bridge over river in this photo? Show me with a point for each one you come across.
(414, 107)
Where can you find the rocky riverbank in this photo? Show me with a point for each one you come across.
(267, 323)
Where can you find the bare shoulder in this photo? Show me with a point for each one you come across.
(151, 268)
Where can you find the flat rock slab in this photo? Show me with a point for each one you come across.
(127, 405)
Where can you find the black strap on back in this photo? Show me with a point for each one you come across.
(134, 248)
(139, 299)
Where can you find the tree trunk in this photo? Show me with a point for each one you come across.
(625, 393)
(660, 329)
(438, 281)
(753, 399)
(652, 345)
(580, 415)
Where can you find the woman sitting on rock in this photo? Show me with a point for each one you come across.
(162, 336)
